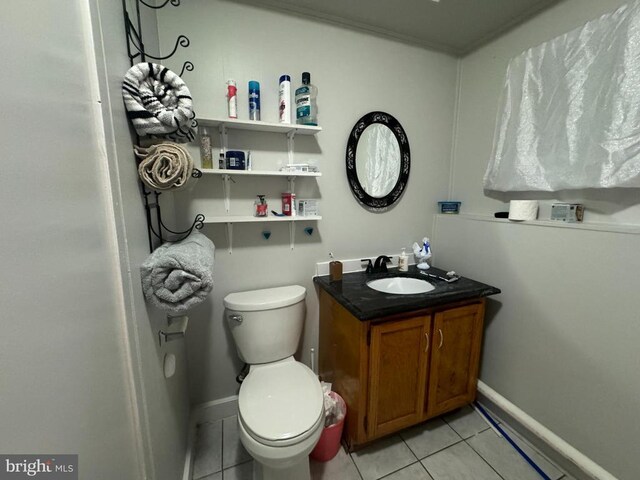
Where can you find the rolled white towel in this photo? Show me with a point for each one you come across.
(178, 276)
(165, 166)
(158, 103)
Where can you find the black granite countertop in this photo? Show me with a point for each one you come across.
(365, 303)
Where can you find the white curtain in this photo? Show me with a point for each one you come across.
(570, 111)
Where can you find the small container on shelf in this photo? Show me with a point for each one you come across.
(232, 99)
(261, 209)
(449, 207)
(206, 157)
(567, 212)
(284, 99)
(289, 204)
(299, 168)
(254, 100)
(307, 207)
(235, 160)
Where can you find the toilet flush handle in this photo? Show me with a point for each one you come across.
(236, 316)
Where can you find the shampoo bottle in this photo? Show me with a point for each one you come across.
(306, 106)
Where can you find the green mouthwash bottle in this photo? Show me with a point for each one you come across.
(306, 107)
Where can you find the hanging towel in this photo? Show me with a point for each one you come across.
(165, 166)
(158, 103)
(178, 276)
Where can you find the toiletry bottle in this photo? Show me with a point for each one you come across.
(261, 207)
(289, 204)
(403, 262)
(306, 107)
(206, 157)
(232, 99)
(284, 99)
(222, 161)
(254, 100)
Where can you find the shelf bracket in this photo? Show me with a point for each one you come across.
(292, 234)
(222, 129)
(290, 136)
(226, 186)
(230, 236)
(292, 185)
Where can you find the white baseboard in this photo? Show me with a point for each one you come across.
(215, 410)
(206, 412)
(566, 456)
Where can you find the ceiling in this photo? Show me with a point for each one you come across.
(456, 27)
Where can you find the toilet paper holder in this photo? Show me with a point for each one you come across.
(176, 329)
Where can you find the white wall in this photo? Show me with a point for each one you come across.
(481, 82)
(561, 341)
(63, 369)
(163, 403)
(355, 74)
(80, 367)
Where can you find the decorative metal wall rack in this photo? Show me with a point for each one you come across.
(137, 53)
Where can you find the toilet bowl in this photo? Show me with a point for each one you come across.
(280, 404)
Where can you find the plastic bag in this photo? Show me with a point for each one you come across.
(334, 406)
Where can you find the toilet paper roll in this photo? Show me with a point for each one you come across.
(523, 209)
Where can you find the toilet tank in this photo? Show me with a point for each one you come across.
(266, 324)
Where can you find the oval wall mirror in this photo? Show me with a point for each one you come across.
(378, 160)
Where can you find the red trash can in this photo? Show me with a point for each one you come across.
(329, 442)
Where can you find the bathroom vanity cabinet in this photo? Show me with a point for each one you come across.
(400, 369)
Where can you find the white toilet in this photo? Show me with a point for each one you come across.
(280, 405)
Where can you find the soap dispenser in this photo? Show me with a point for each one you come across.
(403, 262)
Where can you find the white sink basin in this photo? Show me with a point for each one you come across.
(401, 285)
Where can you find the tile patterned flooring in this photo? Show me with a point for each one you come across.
(458, 446)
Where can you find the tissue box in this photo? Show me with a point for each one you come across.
(449, 207)
(567, 212)
(308, 208)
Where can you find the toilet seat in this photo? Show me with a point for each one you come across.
(281, 403)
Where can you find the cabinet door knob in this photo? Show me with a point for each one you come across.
(441, 338)
(426, 348)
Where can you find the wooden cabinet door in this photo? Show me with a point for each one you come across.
(455, 356)
(397, 374)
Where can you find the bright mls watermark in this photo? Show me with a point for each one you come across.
(43, 467)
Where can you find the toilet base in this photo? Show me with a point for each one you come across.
(298, 471)
(281, 463)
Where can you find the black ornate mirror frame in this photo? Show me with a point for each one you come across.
(405, 160)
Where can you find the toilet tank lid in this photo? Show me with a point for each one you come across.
(265, 299)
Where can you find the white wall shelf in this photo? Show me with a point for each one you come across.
(225, 123)
(290, 130)
(262, 173)
(229, 220)
(250, 219)
(598, 227)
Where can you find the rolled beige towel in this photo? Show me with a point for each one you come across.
(164, 166)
